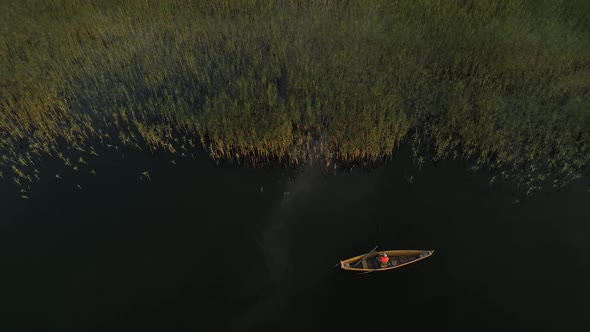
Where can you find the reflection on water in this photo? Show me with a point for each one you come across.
(276, 244)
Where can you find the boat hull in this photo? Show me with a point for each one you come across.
(397, 259)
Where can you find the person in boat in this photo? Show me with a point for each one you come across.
(383, 259)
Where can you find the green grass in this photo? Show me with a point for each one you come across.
(503, 83)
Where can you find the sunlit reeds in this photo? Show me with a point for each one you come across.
(501, 83)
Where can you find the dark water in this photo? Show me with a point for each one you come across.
(203, 248)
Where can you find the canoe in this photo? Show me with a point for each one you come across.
(397, 259)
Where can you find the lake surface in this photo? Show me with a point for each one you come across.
(203, 247)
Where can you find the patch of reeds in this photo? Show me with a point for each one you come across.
(504, 84)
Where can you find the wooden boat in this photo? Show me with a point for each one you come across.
(397, 258)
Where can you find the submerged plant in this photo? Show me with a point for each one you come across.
(147, 175)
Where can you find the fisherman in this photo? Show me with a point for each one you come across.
(383, 260)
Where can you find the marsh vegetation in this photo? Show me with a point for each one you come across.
(503, 84)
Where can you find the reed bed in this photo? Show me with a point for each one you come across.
(504, 84)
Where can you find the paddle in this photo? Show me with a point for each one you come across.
(355, 264)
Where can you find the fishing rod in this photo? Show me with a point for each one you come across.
(359, 259)
(357, 263)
